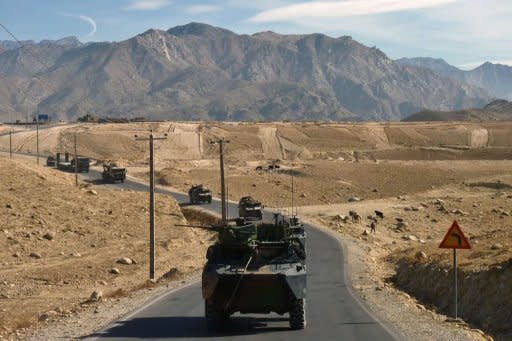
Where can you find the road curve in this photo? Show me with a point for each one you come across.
(333, 312)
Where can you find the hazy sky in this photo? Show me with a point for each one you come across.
(463, 32)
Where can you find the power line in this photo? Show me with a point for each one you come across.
(10, 33)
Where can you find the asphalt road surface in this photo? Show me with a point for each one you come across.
(333, 312)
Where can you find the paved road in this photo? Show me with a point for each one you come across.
(333, 313)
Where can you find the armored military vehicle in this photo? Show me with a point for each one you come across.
(256, 267)
(250, 208)
(112, 172)
(198, 194)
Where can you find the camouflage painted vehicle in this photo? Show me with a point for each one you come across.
(199, 194)
(256, 267)
(112, 172)
(250, 208)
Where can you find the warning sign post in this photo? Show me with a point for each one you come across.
(455, 239)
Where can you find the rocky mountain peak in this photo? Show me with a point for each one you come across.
(199, 29)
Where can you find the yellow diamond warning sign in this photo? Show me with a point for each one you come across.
(455, 238)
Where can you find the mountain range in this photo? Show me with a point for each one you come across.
(201, 72)
(495, 78)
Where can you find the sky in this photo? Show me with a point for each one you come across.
(465, 33)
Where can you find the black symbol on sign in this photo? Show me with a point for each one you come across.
(459, 239)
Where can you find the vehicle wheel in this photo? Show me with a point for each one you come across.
(210, 201)
(214, 317)
(298, 314)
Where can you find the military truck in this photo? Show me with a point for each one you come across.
(51, 161)
(112, 172)
(256, 268)
(199, 194)
(250, 208)
(69, 166)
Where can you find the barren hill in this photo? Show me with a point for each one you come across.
(498, 110)
(197, 71)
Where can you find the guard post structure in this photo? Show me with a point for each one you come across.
(151, 138)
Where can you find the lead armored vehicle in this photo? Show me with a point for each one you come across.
(112, 172)
(256, 267)
(250, 208)
(199, 194)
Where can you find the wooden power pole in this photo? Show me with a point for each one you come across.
(221, 143)
(151, 138)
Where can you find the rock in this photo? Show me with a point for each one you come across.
(93, 192)
(402, 225)
(303, 195)
(16, 255)
(420, 255)
(96, 296)
(415, 208)
(375, 190)
(412, 238)
(253, 185)
(49, 235)
(45, 316)
(115, 271)
(354, 199)
(496, 246)
(407, 208)
(171, 273)
(459, 212)
(61, 253)
(8, 206)
(505, 213)
(102, 283)
(124, 260)
(76, 254)
(36, 255)
(365, 233)
(401, 197)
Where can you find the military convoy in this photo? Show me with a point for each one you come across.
(112, 172)
(255, 266)
(199, 194)
(66, 165)
(250, 208)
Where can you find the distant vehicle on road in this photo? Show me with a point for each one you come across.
(199, 194)
(51, 161)
(113, 173)
(250, 208)
(81, 161)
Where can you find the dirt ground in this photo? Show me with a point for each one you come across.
(59, 243)
(426, 174)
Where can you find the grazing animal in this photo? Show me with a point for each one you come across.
(379, 214)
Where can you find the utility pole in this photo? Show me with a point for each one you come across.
(76, 161)
(37, 138)
(221, 143)
(10, 144)
(151, 138)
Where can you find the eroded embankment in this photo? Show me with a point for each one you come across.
(484, 297)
